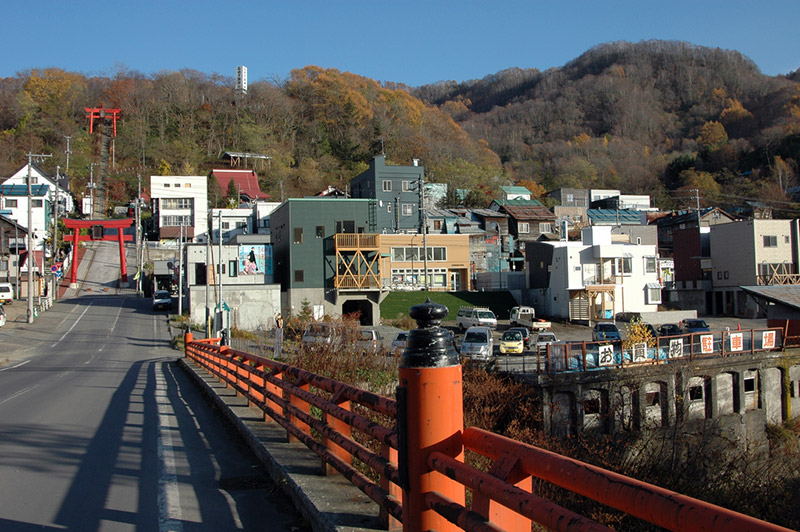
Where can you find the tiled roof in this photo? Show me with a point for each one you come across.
(529, 212)
(246, 181)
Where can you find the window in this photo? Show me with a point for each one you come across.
(749, 384)
(320, 231)
(406, 186)
(437, 224)
(570, 199)
(345, 226)
(226, 225)
(187, 185)
(410, 254)
(387, 185)
(176, 203)
(36, 203)
(299, 276)
(241, 225)
(233, 270)
(523, 227)
(176, 221)
(770, 241)
(654, 295)
(650, 265)
(696, 393)
(166, 185)
(388, 207)
(298, 235)
(786, 239)
(407, 209)
(11, 203)
(545, 228)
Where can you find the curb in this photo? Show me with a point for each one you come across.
(328, 503)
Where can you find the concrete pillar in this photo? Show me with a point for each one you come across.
(670, 396)
(738, 393)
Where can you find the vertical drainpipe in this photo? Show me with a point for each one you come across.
(430, 417)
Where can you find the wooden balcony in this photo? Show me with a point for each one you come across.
(356, 241)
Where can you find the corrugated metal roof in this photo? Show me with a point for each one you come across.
(489, 213)
(529, 212)
(22, 190)
(783, 294)
(515, 190)
(245, 180)
(622, 216)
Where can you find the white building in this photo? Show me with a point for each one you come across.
(234, 222)
(40, 177)
(262, 210)
(14, 203)
(593, 279)
(241, 79)
(180, 200)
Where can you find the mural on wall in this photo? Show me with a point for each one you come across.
(255, 260)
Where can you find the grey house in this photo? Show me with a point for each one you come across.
(396, 191)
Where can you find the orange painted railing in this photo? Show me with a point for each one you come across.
(420, 460)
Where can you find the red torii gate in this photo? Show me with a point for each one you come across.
(96, 232)
(100, 112)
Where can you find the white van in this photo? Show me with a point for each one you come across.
(473, 317)
(478, 344)
(6, 293)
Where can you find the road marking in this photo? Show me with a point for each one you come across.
(73, 325)
(18, 365)
(21, 392)
(169, 497)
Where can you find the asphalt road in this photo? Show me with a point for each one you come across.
(101, 431)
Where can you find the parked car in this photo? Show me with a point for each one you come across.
(319, 333)
(527, 337)
(399, 343)
(694, 326)
(543, 340)
(512, 343)
(162, 299)
(369, 341)
(478, 343)
(2, 316)
(475, 317)
(605, 331)
(669, 329)
(6, 293)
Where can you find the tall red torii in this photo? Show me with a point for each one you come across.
(100, 112)
(76, 236)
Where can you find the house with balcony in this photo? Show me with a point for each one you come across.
(592, 279)
(527, 223)
(57, 185)
(179, 206)
(751, 253)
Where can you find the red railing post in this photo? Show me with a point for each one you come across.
(342, 428)
(302, 405)
(431, 418)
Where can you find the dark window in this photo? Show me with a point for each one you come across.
(200, 273)
(299, 276)
(696, 393)
(320, 232)
(750, 385)
(770, 241)
(298, 235)
(345, 226)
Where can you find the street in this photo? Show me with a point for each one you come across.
(100, 430)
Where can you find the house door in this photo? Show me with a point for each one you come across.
(455, 281)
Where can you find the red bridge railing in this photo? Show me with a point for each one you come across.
(417, 445)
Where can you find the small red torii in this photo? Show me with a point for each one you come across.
(100, 112)
(76, 236)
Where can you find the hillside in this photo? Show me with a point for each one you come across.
(663, 118)
(654, 117)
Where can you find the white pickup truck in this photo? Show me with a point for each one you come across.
(526, 317)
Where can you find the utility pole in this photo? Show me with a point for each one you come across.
(138, 236)
(208, 275)
(696, 198)
(68, 152)
(180, 272)
(424, 220)
(30, 235)
(54, 246)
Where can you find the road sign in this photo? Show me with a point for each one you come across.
(54, 268)
(225, 307)
(59, 274)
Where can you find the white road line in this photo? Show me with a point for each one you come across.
(21, 392)
(73, 325)
(18, 365)
(170, 518)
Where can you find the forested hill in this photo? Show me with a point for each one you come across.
(662, 118)
(654, 117)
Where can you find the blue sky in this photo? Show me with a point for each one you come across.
(411, 42)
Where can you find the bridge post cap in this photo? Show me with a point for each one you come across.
(428, 314)
(429, 346)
